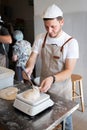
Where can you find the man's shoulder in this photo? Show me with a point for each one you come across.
(4, 31)
(40, 36)
(67, 36)
(25, 42)
(3, 28)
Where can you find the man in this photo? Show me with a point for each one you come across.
(59, 53)
(5, 39)
(21, 53)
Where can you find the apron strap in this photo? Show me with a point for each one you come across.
(61, 46)
(44, 40)
(65, 43)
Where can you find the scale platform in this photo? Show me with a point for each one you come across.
(34, 107)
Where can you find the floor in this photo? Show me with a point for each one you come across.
(80, 119)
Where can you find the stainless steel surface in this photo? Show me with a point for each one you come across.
(12, 118)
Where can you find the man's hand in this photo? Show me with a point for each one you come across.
(46, 84)
(14, 57)
(29, 72)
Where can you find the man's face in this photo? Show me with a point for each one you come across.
(53, 27)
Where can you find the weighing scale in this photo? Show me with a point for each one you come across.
(34, 107)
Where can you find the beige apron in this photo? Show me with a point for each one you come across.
(53, 63)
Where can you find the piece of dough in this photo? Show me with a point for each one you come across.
(9, 93)
(32, 94)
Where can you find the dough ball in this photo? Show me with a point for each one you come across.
(32, 94)
(9, 93)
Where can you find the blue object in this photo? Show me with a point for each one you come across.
(18, 35)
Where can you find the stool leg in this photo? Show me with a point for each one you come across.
(81, 95)
(73, 90)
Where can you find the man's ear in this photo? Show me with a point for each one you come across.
(62, 22)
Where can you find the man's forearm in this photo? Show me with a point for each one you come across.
(5, 39)
(32, 60)
(66, 73)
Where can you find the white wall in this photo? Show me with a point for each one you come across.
(65, 5)
(75, 15)
(68, 6)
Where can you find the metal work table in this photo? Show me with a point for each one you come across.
(13, 119)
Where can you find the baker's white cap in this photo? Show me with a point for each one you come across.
(52, 11)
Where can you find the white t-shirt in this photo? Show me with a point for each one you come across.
(71, 49)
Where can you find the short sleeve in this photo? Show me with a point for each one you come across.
(72, 49)
(4, 31)
(37, 46)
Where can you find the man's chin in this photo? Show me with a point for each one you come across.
(52, 35)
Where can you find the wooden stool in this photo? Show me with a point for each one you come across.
(77, 82)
